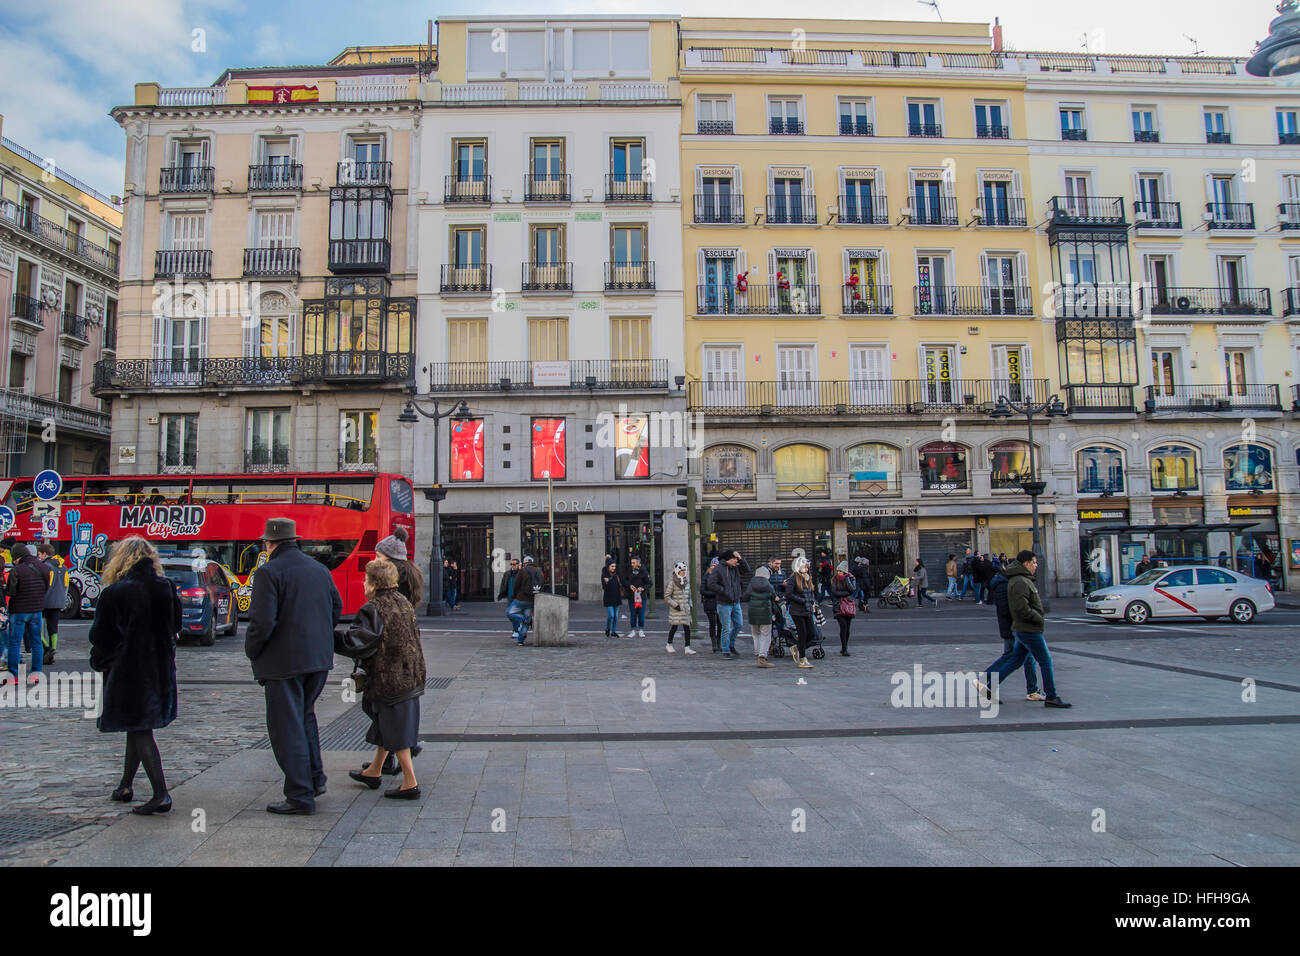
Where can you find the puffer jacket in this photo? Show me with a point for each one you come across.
(800, 601)
(29, 579)
(759, 594)
(1026, 605)
(678, 598)
(724, 581)
(396, 672)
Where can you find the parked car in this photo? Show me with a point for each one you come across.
(207, 599)
(1194, 591)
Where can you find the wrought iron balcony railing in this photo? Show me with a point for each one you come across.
(1074, 135)
(973, 300)
(147, 374)
(1218, 138)
(59, 237)
(35, 410)
(715, 127)
(862, 397)
(28, 308)
(1087, 210)
(351, 172)
(627, 187)
(856, 126)
(548, 187)
(1002, 212)
(758, 299)
(547, 277)
(1189, 300)
(1288, 139)
(930, 211)
(787, 210)
(359, 255)
(275, 176)
(75, 326)
(591, 374)
(266, 461)
(1090, 300)
(1291, 301)
(278, 261)
(779, 126)
(1231, 215)
(1099, 398)
(992, 132)
(868, 300)
(857, 209)
(186, 179)
(714, 208)
(1213, 398)
(1288, 216)
(1146, 136)
(929, 130)
(186, 263)
(1157, 215)
(629, 276)
(471, 278)
(467, 189)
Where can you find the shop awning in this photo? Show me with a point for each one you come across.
(1153, 528)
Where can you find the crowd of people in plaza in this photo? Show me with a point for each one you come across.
(31, 604)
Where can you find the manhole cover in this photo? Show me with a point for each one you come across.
(23, 829)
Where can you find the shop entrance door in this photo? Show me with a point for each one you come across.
(623, 543)
(884, 551)
(536, 539)
(470, 546)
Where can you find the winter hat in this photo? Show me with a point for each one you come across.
(713, 562)
(727, 555)
(800, 564)
(401, 534)
(392, 547)
(842, 566)
(527, 560)
(679, 566)
(19, 551)
(763, 572)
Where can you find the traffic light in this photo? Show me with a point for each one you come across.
(686, 503)
(706, 522)
(659, 524)
(645, 531)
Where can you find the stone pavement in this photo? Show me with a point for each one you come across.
(557, 755)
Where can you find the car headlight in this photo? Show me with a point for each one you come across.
(1106, 597)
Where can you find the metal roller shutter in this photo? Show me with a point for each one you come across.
(935, 546)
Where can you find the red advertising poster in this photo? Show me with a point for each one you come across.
(467, 450)
(632, 448)
(548, 449)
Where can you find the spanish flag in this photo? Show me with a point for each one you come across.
(283, 94)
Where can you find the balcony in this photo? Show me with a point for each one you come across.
(183, 263)
(62, 239)
(787, 210)
(858, 210)
(467, 189)
(371, 173)
(1090, 300)
(1157, 215)
(1099, 398)
(35, 411)
(1213, 398)
(1087, 211)
(875, 397)
(359, 255)
(1218, 138)
(589, 374)
(992, 132)
(28, 309)
(548, 187)
(186, 179)
(857, 126)
(927, 130)
(720, 208)
(1288, 139)
(629, 276)
(766, 299)
(1074, 135)
(868, 300)
(1290, 302)
(279, 261)
(1009, 212)
(778, 126)
(256, 372)
(1288, 216)
(275, 177)
(547, 277)
(110, 336)
(1188, 300)
(973, 300)
(473, 279)
(933, 212)
(75, 327)
(627, 187)
(715, 127)
(1230, 215)
(264, 461)
(1146, 136)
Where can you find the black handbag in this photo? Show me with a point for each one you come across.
(360, 639)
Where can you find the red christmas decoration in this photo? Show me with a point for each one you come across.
(742, 281)
(782, 282)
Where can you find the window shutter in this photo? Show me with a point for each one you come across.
(771, 269)
(159, 337)
(699, 180)
(882, 269)
(203, 153)
(812, 267)
(699, 266)
(1027, 369)
(845, 264)
(203, 335)
(252, 334)
(1022, 269)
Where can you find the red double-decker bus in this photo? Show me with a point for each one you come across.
(340, 518)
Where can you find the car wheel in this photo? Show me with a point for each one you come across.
(209, 635)
(1137, 613)
(72, 602)
(1242, 611)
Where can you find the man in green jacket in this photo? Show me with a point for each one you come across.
(1027, 625)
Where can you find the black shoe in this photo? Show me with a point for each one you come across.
(845, 654)
(122, 795)
(320, 791)
(156, 805)
(289, 808)
(1055, 702)
(415, 751)
(397, 793)
(48, 659)
(371, 782)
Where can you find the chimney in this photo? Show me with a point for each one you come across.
(997, 35)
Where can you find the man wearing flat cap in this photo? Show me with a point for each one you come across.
(290, 640)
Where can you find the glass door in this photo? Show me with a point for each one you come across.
(716, 204)
(720, 295)
(939, 365)
(931, 285)
(723, 384)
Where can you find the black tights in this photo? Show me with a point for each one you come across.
(804, 630)
(845, 623)
(686, 629)
(141, 748)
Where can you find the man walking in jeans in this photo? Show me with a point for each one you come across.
(724, 582)
(1027, 625)
(998, 598)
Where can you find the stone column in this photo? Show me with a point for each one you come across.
(507, 534)
(591, 552)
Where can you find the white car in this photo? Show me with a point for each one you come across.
(1197, 591)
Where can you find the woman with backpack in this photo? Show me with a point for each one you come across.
(843, 588)
(801, 595)
(612, 586)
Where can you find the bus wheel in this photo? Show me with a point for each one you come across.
(72, 602)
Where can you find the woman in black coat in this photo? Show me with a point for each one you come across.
(612, 586)
(709, 601)
(801, 595)
(133, 643)
(844, 587)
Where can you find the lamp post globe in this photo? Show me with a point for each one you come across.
(1278, 55)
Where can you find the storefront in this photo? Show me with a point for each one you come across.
(1107, 556)
(1181, 536)
(535, 536)
(624, 541)
(758, 539)
(876, 533)
(1256, 544)
(469, 544)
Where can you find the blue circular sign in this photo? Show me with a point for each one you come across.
(48, 484)
(6, 518)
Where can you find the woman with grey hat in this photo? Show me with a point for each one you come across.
(410, 582)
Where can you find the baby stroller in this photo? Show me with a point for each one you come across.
(785, 635)
(896, 593)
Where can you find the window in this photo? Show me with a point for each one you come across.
(1183, 578)
(267, 440)
(275, 229)
(1165, 370)
(1236, 370)
(1288, 131)
(190, 161)
(110, 324)
(1173, 468)
(466, 340)
(718, 294)
(783, 115)
(366, 156)
(274, 334)
(800, 471)
(943, 467)
(548, 340)
(724, 380)
(866, 283)
(1213, 576)
(359, 212)
(933, 295)
(546, 171)
(1216, 126)
(632, 447)
(1003, 283)
(869, 381)
(1248, 468)
(629, 348)
(1012, 375)
(627, 251)
(187, 232)
(717, 202)
(923, 118)
(790, 202)
(66, 378)
(728, 471)
(547, 245)
(1151, 205)
(469, 160)
(548, 451)
(179, 441)
(713, 115)
(1073, 124)
(18, 371)
(932, 202)
(991, 121)
(1100, 470)
(999, 203)
(855, 117)
(1009, 465)
(627, 160)
(358, 438)
(796, 372)
(1144, 125)
(872, 467)
(467, 245)
(466, 439)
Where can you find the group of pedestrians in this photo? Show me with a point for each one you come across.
(31, 605)
(635, 587)
(973, 573)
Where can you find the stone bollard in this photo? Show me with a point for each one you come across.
(550, 620)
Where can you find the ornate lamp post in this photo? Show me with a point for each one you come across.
(1032, 487)
(1279, 54)
(435, 494)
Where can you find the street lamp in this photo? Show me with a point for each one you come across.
(435, 494)
(1033, 487)
(1279, 54)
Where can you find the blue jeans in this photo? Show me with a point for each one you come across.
(952, 587)
(521, 616)
(25, 629)
(450, 597)
(611, 619)
(1008, 652)
(979, 591)
(635, 615)
(967, 582)
(1026, 644)
(732, 622)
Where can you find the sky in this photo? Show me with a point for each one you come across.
(65, 63)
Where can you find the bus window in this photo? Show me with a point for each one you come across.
(352, 494)
(111, 493)
(210, 494)
(332, 554)
(246, 563)
(400, 497)
(257, 492)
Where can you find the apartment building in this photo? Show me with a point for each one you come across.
(268, 311)
(59, 248)
(550, 294)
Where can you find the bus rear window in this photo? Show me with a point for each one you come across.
(329, 553)
(400, 498)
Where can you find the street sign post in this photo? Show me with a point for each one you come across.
(48, 484)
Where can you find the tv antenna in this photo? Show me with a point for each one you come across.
(1196, 47)
(932, 3)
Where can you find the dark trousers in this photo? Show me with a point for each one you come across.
(803, 627)
(846, 622)
(295, 738)
(715, 627)
(1027, 644)
(686, 630)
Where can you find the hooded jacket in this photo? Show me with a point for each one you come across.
(724, 581)
(998, 595)
(1025, 604)
(759, 595)
(677, 595)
